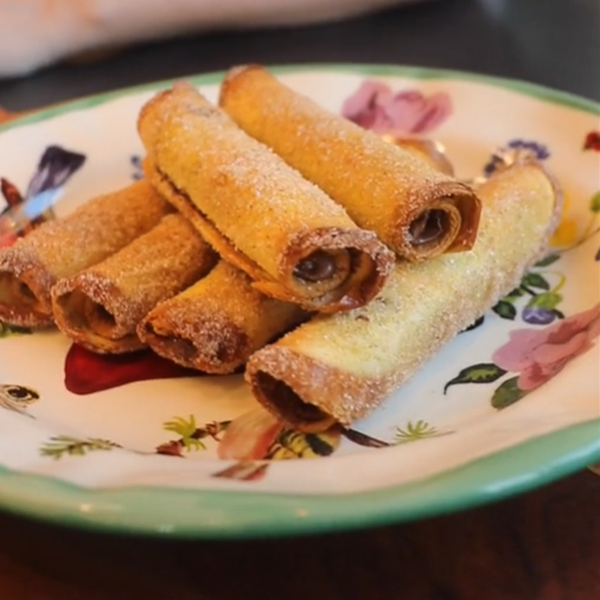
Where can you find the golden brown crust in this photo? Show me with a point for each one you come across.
(344, 365)
(23, 291)
(258, 213)
(311, 403)
(224, 346)
(432, 150)
(100, 307)
(385, 187)
(208, 231)
(217, 323)
(97, 229)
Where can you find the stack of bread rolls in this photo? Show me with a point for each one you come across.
(274, 236)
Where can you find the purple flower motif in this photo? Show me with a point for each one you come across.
(136, 163)
(536, 315)
(516, 147)
(374, 106)
(541, 309)
(55, 168)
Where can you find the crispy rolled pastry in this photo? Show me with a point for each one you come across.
(259, 214)
(341, 367)
(431, 150)
(100, 307)
(396, 190)
(216, 324)
(58, 249)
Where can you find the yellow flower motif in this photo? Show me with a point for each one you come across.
(566, 232)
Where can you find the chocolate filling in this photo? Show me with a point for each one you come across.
(86, 314)
(13, 291)
(227, 345)
(102, 318)
(318, 266)
(429, 226)
(288, 402)
(26, 292)
(183, 348)
(331, 268)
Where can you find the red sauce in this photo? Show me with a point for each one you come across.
(87, 372)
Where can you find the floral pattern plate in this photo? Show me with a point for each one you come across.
(135, 444)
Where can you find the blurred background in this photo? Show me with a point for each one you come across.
(550, 42)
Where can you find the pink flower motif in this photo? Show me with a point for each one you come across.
(374, 106)
(249, 436)
(538, 355)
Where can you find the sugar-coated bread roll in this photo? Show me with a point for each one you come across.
(341, 367)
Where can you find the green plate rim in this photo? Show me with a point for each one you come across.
(545, 93)
(207, 514)
(223, 514)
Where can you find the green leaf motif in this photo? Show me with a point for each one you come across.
(547, 300)
(479, 373)
(61, 445)
(548, 260)
(474, 325)
(9, 330)
(507, 393)
(595, 203)
(505, 310)
(514, 295)
(188, 431)
(413, 432)
(535, 280)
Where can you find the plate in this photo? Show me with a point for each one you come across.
(130, 446)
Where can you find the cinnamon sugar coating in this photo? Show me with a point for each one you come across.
(62, 248)
(345, 365)
(385, 187)
(257, 212)
(100, 307)
(216, 324)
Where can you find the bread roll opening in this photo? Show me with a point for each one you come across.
(429, 227)
(289, 404)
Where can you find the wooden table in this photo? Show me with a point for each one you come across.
(544, 545)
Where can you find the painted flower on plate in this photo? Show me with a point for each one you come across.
(249, 436)
(514, 149)
(592, 141)
(566, 232)
(376, 107)
(538, 355)
(257, 435)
